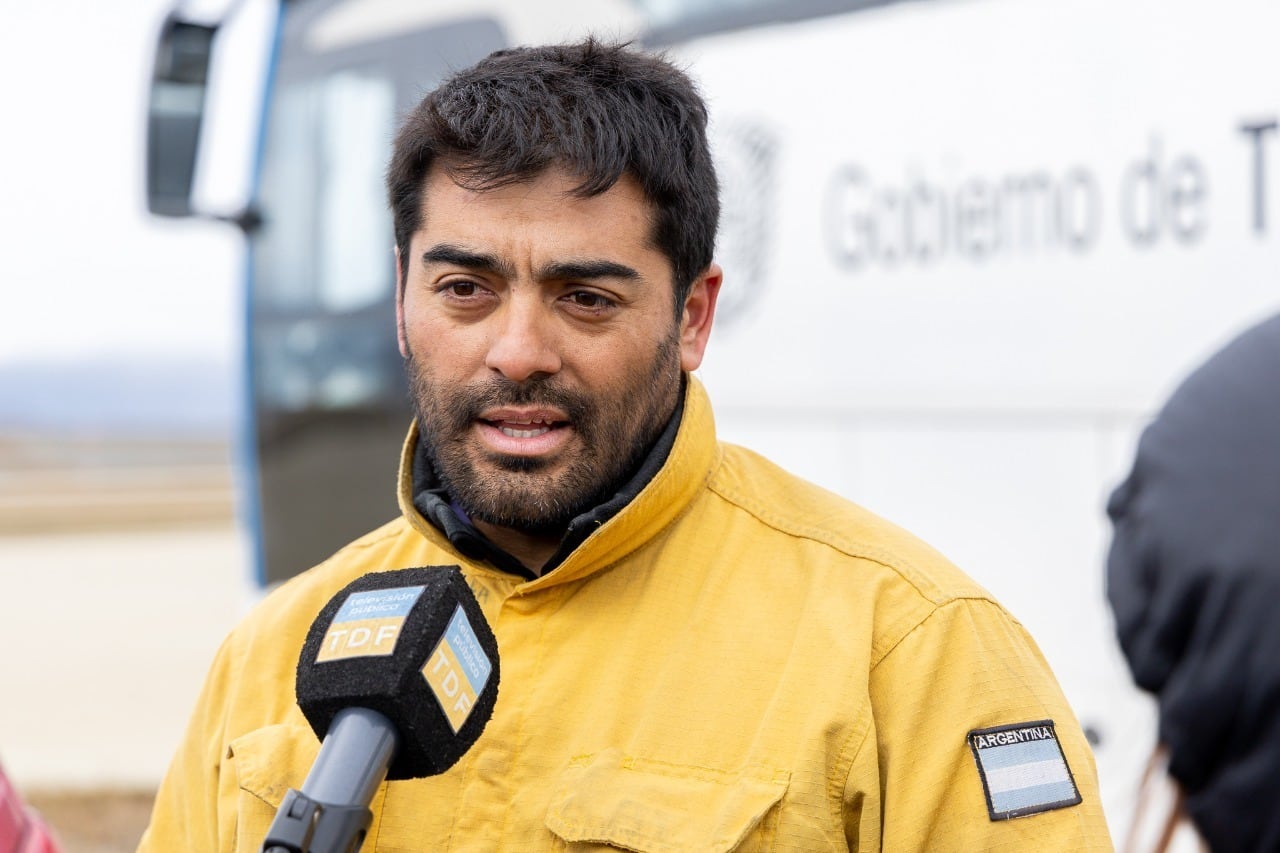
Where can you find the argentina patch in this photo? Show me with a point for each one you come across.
(1023, 769)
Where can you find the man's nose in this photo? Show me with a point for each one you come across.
(524, 344)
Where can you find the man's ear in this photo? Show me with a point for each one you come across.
(400, 336)
(699, 313)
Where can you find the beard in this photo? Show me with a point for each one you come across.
(614, 431)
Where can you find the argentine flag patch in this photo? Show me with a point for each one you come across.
(1023, 769)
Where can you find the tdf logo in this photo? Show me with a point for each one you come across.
(368, 624)
(457, 670)
(370, 637)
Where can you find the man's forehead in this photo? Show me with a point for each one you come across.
(552, 194)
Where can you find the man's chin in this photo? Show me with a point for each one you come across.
(512, 464)
(509, 518)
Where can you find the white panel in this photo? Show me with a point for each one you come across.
(998, 116)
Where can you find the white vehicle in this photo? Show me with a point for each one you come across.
(969, 247)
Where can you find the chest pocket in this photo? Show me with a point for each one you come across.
(609, 801)
(267, 763)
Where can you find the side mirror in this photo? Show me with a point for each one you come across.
(178, 83)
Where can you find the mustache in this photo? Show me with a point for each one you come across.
(468, 403)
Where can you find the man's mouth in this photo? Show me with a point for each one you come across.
(525, 429)
(514, 428)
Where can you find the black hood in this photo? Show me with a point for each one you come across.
(1193, 578)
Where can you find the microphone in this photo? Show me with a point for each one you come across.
(398, 675)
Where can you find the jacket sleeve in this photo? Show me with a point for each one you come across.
(187, 814)
(968, 668)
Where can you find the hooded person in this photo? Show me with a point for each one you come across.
(1193, 578)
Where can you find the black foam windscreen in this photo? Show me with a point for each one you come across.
(413, 645)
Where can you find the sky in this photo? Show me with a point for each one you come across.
(87, 272)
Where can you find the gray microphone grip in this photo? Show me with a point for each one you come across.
(353, 759)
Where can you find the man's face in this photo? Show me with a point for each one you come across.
(543, 354)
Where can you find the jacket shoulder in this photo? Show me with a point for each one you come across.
(395, 545)
(794, 507)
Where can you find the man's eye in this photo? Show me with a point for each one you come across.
(587, 299)
(461, 288)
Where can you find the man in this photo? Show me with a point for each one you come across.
(1193, 577)
(699, 651)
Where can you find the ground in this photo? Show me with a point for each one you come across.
(94, 821)
(135, 523)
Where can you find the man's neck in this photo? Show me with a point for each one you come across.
(533, 551)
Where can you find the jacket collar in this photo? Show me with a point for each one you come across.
(665, 496)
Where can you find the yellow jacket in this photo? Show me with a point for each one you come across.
(737, 660)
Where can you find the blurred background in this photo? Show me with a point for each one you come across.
(121, 561)
(970, 245)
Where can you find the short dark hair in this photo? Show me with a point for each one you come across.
(596, 110)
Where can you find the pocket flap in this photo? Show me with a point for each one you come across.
(267, 762)
(652, 807)
(271, 760)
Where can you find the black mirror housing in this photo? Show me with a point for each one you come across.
(179, 81)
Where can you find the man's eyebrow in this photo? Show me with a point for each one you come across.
(585, 270)
(448, 253)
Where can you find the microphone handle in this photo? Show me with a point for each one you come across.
(331, 812)
(353, 759)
